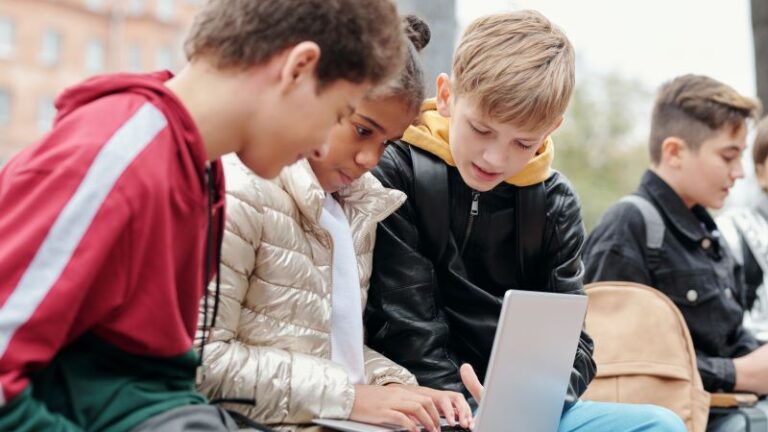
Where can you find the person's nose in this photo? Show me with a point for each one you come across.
(368, 156)
(496, 156)
(738, 170)
(321, 151)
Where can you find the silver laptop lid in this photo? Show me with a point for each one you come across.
(531, 361)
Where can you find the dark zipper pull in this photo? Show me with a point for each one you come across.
(475, 210)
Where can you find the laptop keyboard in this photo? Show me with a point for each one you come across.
(456, 428)
(444, 426)
(447, 428)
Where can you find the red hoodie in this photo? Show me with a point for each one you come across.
(103, 225)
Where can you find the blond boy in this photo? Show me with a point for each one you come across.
(506, 219)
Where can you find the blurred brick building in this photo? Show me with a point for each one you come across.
(47, 45)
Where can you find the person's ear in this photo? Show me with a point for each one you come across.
(300, 65)
(444, 95)
(760, 173)
(555, 126)
(673, 151)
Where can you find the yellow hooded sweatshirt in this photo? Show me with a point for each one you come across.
(432, 135)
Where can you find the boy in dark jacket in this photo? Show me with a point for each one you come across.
(698, 133)
(109, 223)
(441, 267)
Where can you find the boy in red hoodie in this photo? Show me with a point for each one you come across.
(108, 223)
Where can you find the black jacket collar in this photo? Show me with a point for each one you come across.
(686, 221)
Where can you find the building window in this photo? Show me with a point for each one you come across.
(7, 30)
(133, 60)
(46, 112)
(50, 47)
(164, 58)
(94, 5)
(136, 7)
(5, 107)
(164, 10)
(94, 56)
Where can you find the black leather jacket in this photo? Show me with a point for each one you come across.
(432, 317)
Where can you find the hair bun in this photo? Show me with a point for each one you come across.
(417, 31)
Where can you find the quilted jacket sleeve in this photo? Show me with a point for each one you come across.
(380, 370)
(285, 387)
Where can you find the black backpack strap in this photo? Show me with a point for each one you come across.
(530, 217)
(654, 224)
(654, 227)
(430, 198)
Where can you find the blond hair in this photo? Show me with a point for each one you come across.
(518, 66)
(694, 108)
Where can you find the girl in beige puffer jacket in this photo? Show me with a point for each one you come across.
(294, 280)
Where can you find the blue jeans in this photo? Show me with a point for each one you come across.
(587, 416)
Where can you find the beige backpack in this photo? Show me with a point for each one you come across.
(643, 351)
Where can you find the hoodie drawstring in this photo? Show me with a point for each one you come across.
(211, 186)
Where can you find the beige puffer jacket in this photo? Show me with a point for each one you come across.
(271, 341)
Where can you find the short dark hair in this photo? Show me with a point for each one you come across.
(360, 40)
(694, 108)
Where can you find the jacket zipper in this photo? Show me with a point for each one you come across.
(473, 212)
(331, 246)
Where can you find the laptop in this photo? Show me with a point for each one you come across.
(529, 368)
